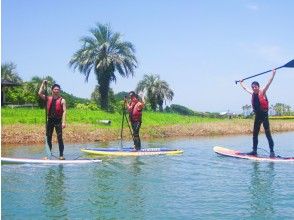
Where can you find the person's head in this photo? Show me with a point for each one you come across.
(255, 86)
(55, 89)
(133, 96)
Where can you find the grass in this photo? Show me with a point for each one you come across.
(22, 125)
(37, 116)
(282, 117)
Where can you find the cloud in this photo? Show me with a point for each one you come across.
(253, 7)
(273, 53)
(270, 52)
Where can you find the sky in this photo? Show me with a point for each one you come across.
(199, 47)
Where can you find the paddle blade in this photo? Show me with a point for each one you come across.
(290, 64)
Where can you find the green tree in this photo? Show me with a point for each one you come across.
(96, 98)
(8, 72)
(157, 90)
(163, 93)
(246, 110)
(282, 109)
(36, 82)
(105, 53)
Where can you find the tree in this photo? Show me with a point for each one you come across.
(163, 93)
(246, 110)
(36, 82)
(105, 53)
(158, 90)
(282, 109)
(8, 72)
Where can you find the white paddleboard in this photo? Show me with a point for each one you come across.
(46, 161)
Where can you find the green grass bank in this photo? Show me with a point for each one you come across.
(25, 126)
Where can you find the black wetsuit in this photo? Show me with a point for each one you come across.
(136, 125)
(261, 117)
(54, 122)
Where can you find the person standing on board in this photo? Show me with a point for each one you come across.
(56, 108)
(135, 108)
(260, 106)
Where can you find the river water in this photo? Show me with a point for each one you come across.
(196, 185)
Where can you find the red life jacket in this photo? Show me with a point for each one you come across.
(58, 107)
(135, 113)
(262, 101)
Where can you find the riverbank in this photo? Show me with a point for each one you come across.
(20, 134)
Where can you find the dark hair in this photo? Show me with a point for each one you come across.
(132, 93)
(55, 85)
(255, 83)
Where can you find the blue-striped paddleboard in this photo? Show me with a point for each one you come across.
(131, 151)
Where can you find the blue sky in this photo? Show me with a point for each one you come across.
(199, 47)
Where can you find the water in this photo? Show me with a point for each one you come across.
(196, 185)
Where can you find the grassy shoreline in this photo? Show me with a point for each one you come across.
(26, 126)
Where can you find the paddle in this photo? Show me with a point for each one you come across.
(289, 64)
(47, 149)
(122, 121)
(124, 117)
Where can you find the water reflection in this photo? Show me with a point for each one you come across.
(262, 191)
(118, 184)
(55, 194)
(135, 189)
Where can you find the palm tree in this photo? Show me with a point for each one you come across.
(9, 78)
(105, 53)
(36, 82)
(148, 84)
(158, 90)
(8, 72)
(163, 93)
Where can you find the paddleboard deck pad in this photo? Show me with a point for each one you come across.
(46, 161)
(131, 151)
(237, 154)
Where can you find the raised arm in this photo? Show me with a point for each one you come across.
(40, 93)
(269, 82)
(245, 88)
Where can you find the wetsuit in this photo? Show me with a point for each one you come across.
(55, 121)
(136, 121)
(261, 117)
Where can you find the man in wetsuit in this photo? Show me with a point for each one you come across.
(56, 108)
(260, 106)
(135, 108)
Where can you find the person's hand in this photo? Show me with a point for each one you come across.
(63, 125)
(274, 71)
(142, 95)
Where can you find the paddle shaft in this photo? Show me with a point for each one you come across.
(124, 117)
(45, 105)
(236, 81)
(122, 121)
(47, 149)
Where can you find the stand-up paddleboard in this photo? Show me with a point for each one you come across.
(131, 151)
(46, 161)
(237, 154)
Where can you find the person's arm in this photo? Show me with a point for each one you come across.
(269, 82)
(40, 93)
(64, 113)
(245, 88)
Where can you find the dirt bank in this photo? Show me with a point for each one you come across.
(82, 133)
